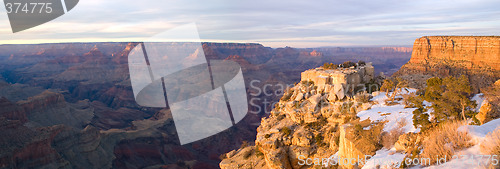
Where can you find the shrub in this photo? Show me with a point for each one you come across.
(390, 103)
(491, 144)
(319, 140)
(258, 153)
(244, 144)
(307, 82)
(222, 156)
(346, 107)
(281, 117)
(329, 66)
(421, 119)
(318, 124)
(361, 63)
(348, 64)
(286, 96)
(358, 128)
(362, 98)
(296, 105)
(247, 154)
(286, 131)
(444, 140)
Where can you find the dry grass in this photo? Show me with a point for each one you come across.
(389, 138)
(445, 140)
(491, 144)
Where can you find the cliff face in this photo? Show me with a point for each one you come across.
(475, 56)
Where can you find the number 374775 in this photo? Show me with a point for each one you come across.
(28, 8)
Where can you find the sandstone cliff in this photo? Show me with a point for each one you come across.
(475, 56)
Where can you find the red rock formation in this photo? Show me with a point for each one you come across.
(315, 53)
(22, 147)
(39, 152)
(475, 56)
(11, 111)
(43, 100)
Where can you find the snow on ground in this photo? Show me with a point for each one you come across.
(479, 98)
(478, 134)
(385, 159)
(391, 114)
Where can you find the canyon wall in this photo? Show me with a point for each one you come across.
(478, 57)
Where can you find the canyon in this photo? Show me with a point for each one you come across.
(73, 103)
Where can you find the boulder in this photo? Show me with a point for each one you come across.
(299, 97)
(338, 90)
(314, 100)
(487, 112)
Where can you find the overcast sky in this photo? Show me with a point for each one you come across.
(296, 23)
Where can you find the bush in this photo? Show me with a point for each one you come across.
(390, 103)
(258, 153)
(358, 129)
(247, 154)
(329, 66)
(244, 144)
(286, 131)
(348, 64)
(222, 156)
(361, 63)
(319, 140)
(346, 107)
(307, 82)
(445, 140)
(296, 105)
(362, 98)
(491, 144)
(421, 119)
(286, 96)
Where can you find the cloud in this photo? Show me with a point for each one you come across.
(274, 23)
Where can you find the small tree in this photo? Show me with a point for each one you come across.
(361, 63)
(348, 64)
(387, 86)
(396, 86)
(458, 93)
(450, 97)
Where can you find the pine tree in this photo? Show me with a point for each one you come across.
(450, 97)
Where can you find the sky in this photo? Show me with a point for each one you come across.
(295, 23)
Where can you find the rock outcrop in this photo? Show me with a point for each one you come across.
(306, 124)
(478, 57)
(490, 108)
(12, 111)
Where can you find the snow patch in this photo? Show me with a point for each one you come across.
(391, 114)
(385, 159)
(479, 98)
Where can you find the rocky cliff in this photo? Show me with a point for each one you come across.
(308, 123)
(475, 56)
